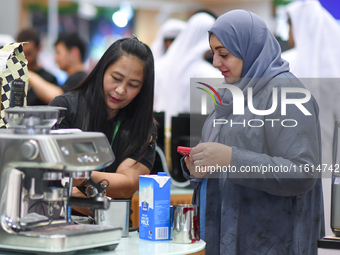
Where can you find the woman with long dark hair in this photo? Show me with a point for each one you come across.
(116, 98)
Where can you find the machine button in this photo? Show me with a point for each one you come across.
(30, 149)
(96, 159)
(90, 159)
(80, 160)
(65, 151)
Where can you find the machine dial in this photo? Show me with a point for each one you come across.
(64, 150)
(30, 149)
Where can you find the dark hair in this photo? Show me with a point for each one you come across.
(72, 40)
(137, 128)
(29, 34)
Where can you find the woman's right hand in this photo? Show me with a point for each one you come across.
(206, 155)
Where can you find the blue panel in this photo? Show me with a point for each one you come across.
(333, 6)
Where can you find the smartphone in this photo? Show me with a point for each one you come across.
(185, 151)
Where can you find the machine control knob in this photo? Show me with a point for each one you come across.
(65, 151)
(96, 159)
(30, 149)
(85, 159)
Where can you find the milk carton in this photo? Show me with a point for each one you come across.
(154, 207)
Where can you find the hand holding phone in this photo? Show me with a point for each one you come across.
(185, 151)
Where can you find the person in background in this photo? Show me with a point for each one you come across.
(70, 56)
(116, 98)
(183, 60)
(207, 54)
(315, 56)
(256, 212)
(165, 36)
(312, 29)
(31, 51)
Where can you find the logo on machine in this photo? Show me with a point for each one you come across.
(145, 206)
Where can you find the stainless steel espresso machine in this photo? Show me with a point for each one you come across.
(34, 159)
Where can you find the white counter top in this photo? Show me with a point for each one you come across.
(134, 245)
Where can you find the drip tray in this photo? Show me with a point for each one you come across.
(64, 239)
(69, 230)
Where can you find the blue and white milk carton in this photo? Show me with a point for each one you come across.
(154, 207)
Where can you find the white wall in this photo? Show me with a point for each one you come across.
(9, 17)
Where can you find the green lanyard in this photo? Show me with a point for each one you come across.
(115, 132)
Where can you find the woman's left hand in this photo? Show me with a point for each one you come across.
(209, 154)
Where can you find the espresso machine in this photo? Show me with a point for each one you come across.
(34, 160)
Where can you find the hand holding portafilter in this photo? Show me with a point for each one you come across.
(94, 189)
(95, 195)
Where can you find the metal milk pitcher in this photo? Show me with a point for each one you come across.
(185, 223)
